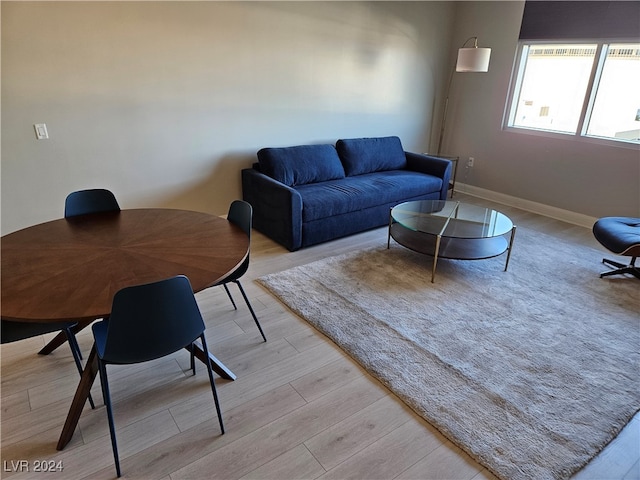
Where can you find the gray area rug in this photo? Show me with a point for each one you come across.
(531, 371)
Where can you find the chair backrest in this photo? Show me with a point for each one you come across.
(95, 200)
(241, 214)
(152, 320)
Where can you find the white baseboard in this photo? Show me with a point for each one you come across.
(534, 207)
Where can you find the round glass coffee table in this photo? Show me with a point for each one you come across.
(451, 229)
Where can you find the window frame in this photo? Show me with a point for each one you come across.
(515, 86)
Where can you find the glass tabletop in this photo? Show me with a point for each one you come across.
(451, 219)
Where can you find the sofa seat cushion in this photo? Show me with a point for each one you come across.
(367, 155)
(301, 164)
(336, 197)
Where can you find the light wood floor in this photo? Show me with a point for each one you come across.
(300, 407)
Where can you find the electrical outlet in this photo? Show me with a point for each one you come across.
(470, 162)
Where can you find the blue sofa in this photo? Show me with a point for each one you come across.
(308, 194)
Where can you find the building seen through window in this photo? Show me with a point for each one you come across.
(581, 89)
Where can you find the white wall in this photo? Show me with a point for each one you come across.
(165, 102)
(578, 176)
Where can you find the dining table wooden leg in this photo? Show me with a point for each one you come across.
(89, 375)
(216, 365)
(80, 398)
(61, 338)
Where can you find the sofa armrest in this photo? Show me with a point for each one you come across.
(277, 208)
(436, 166)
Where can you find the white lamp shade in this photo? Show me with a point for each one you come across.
(473, 59)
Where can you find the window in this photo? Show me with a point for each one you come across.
(617, 102)
(578, 70)
(586, 89)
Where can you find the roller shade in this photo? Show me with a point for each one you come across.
(575, 20)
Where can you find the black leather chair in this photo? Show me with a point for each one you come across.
(94, 200)
(240, 213)
(83, 202)
(620, 235)
(148, 322)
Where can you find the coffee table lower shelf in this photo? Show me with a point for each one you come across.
(451, 247)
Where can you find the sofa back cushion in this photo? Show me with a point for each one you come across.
(367, 155)
(301, 164)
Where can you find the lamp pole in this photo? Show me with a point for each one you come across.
(444, 112)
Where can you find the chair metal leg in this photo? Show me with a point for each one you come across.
(253, 314)
(107, 401)
(75, 351)
(192, 355)
(621, 268)
(213, 385)
(230, 296)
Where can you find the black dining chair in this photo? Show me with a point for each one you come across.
(16, 331)
(94, 200)
(83, 202)
(148, 322)
(240, 214)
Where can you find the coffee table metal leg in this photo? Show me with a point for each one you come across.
(389, 234)
(513, 234)
(435, 258)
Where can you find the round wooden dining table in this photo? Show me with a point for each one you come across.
(70, 269)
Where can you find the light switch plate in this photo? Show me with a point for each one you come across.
(41, 131)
